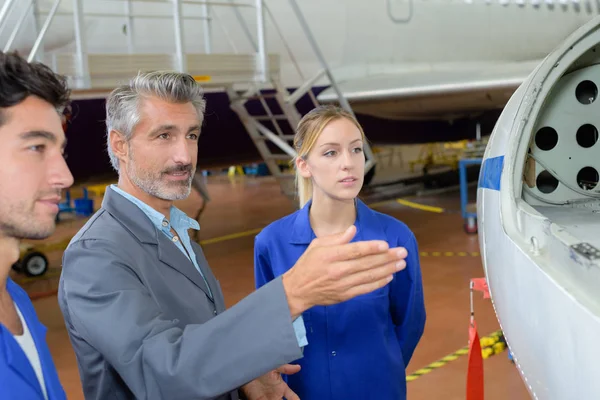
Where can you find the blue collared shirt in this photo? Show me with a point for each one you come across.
(358, 349)
(181, 223)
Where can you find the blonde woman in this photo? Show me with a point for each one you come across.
(358, 349)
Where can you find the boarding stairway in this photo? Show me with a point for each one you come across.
(252, 79)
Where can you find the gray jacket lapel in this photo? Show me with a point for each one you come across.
(135, 221)
(210, 277)
(169, 254)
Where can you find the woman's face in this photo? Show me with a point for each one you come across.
(336, 163)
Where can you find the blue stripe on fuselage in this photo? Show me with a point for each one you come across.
(491, 173)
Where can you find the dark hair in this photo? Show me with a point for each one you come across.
(20, 79)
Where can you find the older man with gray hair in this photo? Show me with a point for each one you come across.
(144, 312)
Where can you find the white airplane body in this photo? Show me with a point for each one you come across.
(394, 59)
(539, 219)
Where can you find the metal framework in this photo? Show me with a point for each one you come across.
(258, 71)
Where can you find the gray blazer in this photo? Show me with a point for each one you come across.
(142, 325)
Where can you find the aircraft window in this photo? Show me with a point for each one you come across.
(587, 178)
(546, 182)
(587, 135)
(546, 138)
(586, 92)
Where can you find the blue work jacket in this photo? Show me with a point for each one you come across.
(17, 377)
(357, 349)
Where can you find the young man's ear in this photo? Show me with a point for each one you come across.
(302, 167)
(119, 145)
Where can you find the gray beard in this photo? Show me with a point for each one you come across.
(156, 187)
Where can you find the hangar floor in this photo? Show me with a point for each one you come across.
(239, 207)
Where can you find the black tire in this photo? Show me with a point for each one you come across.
(34, 264)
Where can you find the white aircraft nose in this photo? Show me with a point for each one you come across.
(539, 220)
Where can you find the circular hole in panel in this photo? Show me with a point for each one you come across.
(546, 138)
(546, 183)
(586, 92)
(587, 135)
(587, 178)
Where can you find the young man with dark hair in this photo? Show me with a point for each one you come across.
(32, 177)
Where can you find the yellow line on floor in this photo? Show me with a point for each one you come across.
(490, 345)
(229, 237)
(418, 206)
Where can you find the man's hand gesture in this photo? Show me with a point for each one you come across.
(333, 270)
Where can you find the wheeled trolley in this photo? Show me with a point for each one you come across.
(31, 262)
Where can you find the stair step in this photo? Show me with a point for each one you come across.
(255, 97)
(284, 157)
(268, 118)
(284, 137)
